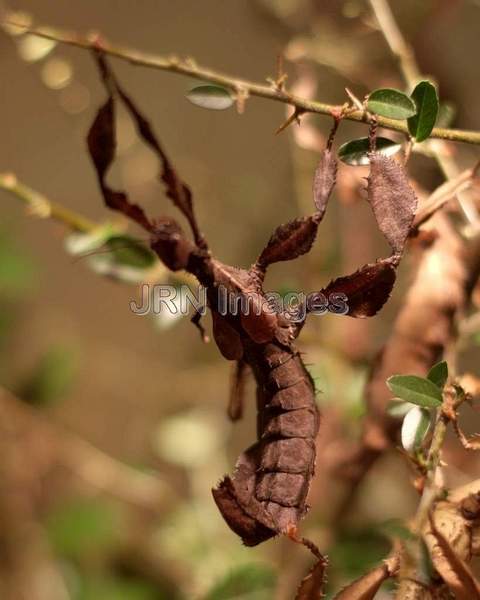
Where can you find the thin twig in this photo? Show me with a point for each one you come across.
(397, 43)
(236, 84)
(40, 206)
(444, 193)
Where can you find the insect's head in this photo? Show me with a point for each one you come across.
(170, 244)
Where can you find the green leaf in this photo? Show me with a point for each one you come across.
(439, 374)
(426, 100)
(416, 390)
(245, 581)
(129, 252)
(113, 254)
(391, 103)
(415, 427)
(213, 97)
(356, 151)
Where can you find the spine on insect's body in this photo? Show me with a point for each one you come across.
(267, 493)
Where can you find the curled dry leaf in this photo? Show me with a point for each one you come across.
(453, 569)
(366, 587)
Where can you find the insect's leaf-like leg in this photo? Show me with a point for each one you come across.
(364, 292)
(176, 189)
(196, 320)
(102, 143)
(237, 390)
(295, 238)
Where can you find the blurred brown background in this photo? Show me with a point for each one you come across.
(136, 392)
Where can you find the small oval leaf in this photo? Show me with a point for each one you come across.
(416, 390)
(439, 374)
(356, 152)
(415, 427)
(391, 103)
(426, 100)
(213, 97)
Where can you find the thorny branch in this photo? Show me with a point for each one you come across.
(235, 84)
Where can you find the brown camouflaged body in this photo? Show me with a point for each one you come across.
(267, 493)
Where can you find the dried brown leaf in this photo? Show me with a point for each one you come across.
(368, 585)
(392, 199)
(453, 569)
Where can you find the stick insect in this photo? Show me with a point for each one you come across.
(267, 493)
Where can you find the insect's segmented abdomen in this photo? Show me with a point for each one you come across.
(287, 428)
(272, 478)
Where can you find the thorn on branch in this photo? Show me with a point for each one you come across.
(294, 117)
(355, 101)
